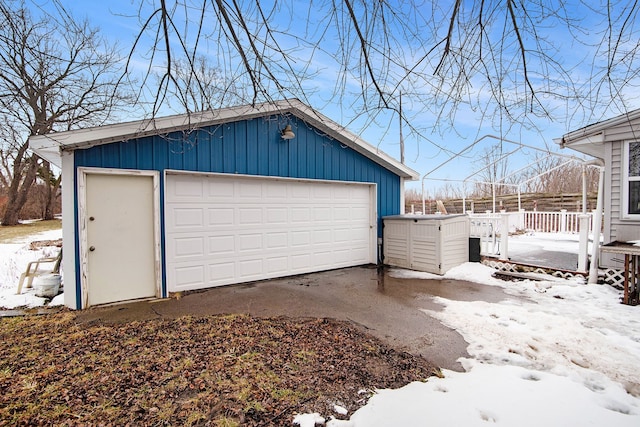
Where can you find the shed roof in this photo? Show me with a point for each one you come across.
(50, 146)
(591, 139)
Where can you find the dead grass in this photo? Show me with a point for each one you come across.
(232, 370)
(12, 233)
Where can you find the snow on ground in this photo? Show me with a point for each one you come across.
(553, 242)
(561, 353)
(14, 258)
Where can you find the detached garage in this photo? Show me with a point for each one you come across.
(216, 198)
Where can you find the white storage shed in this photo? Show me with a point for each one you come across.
(431, 243)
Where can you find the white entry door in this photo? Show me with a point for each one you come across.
(119, 248)
(224, 229)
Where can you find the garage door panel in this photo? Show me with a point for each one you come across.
(250, 216)
(222, 272)
(322, 214)
(300, 238)
(278, 265)
(220, 217)
(322, 237)
(188, 189)
(277, 216)
(220, 191)
(250, 268)
(191, 275)
(277, 240)
(222, 244)
(301, 262)
(320, 193)
(246, 229)
(343, 194)
(300, 193)
(250, 243)
(300, 214)
(323, 259)
(185, 219)
(249, 191)
(189, 247)
(275, 193)
(344, 235)
(342, 214)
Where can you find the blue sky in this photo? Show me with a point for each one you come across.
(119, 23)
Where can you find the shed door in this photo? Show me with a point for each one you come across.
(119, 247)
(425, 246)
(224, 229)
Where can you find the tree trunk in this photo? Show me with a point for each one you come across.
(52, 197)
(48, 209)
(18, 192)
(52, 184)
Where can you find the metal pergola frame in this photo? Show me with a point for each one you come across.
(520, 145)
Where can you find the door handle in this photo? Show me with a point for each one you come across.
(92, 248)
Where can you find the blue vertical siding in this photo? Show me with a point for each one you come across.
(203, 149)
(251, 147)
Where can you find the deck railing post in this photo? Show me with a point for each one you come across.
(504, 237)
(521, 221)
(583, 245)
(563, 221)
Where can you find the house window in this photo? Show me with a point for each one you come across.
(633, 178)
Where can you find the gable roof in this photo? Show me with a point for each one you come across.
(591, 139)
(50, 146)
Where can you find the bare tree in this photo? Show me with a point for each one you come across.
(492, 172)
(55, 74)
(197, 86)
(557, 175)
(498, 58)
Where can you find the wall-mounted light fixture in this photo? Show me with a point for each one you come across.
(287, 133)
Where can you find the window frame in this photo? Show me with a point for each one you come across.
(626, 180)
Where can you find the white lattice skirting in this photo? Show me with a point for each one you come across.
(523, 268)
(612, 276)
(609, 276)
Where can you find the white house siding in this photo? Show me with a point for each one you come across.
(606, 140)
(615, 227)
(611, 200)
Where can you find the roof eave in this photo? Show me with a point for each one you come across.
(51, 145)
(591, 139)
(592, 145)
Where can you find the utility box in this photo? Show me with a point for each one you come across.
(431, 243)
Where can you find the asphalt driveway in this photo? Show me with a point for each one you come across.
(386, 307)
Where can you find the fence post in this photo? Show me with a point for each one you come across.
(521, 223)
(504, 237)
(583, 245)
(563, 221)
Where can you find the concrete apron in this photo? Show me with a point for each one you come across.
(383, 306)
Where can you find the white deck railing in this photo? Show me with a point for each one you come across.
(493, 229)
(486, 227)
(553, 222)
(544, 222)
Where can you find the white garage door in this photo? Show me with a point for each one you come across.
(224, 229)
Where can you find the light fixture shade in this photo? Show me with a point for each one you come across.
(287, 133)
